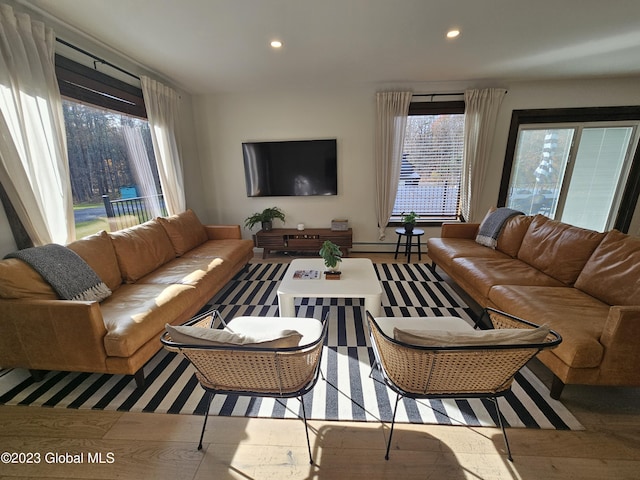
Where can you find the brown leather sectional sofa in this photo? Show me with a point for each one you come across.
(163, 271)
(583, 284)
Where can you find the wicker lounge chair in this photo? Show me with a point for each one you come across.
(454, 371)
(255, 371)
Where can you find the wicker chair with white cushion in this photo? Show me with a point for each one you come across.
(252, 356)
(445, 357)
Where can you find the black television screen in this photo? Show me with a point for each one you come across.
(291, 168)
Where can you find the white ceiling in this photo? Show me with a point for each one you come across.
(208, 46)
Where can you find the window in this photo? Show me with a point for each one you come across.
(580, 172)
(431, 169)
(114, 177)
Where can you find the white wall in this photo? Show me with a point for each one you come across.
(225, 121)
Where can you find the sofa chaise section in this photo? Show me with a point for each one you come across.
(584, 284)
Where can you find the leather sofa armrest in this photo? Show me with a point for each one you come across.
(222, 232)
(620, 338)
(52, 335)
(622, 328)
(460, 230)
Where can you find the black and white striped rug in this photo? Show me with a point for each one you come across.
(348, 392)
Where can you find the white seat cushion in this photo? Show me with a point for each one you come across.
(309, 328)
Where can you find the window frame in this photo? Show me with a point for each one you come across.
(81, 84)
(432, 108)
(631, 191)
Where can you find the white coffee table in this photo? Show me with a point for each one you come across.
(358, 280)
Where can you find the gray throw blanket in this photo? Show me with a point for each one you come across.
(492, 226)
(67, 273)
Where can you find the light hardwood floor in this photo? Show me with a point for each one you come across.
(155, 446)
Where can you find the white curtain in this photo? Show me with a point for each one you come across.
(162, 105)
(392, 110)
(480, 114)
(34, 168)
(141, 166)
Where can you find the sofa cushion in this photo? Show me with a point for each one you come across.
(186, 271)
(558, 249)
(19, 280)
(207, 275)
(97, 251)
(191, 335)
(137, 313)
(444, 338)
(141, 249)
(512, 233)
(493, 224)
(184, 230)
(232, 250)
(444, 250)
(576, 316)
(612, 274)
(484, 273)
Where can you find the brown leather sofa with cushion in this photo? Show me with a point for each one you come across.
(583, 284)
(162, 271)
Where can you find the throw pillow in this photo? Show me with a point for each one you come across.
(97, 250)
(141, 249)
(612, 274)
(19, 280)
(443, 338)
(190, 335)
(558, 249)
(184, 230)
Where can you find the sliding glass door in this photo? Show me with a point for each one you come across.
(575, 173)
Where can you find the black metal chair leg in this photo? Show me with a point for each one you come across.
(373, 367)
(504, 432)
(306, 429)
(206, 415)
(393, 421)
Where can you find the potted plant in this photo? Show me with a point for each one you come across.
(265, 218)
(332, 256)
(409, 221)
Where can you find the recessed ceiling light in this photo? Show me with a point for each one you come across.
(276, 44)
(453, 33)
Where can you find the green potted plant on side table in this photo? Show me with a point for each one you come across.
(265, 218)
(332, 256)
(409, 221)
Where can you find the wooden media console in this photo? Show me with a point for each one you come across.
(307, 240)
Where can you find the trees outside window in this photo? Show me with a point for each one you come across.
(114, 177)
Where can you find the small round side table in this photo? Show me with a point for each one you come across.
(416, 233)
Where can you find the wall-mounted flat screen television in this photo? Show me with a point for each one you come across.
(291, 168)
